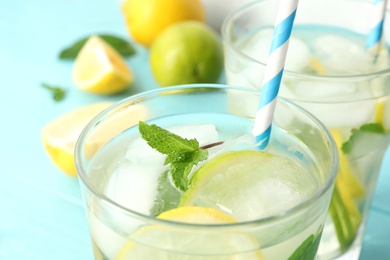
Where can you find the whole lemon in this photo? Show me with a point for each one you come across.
(145, 19)
(186, 53)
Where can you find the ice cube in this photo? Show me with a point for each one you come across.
(342, 114)
(336, 104)
(239, 80)
(203, 133)
(134, 180)
(317, 90)
(258, 47)
(274, 197)
(133, 183)
(299, 55)
(276, 186)
(342, 56)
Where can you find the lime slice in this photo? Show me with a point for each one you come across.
(157, 242)
(249, 184)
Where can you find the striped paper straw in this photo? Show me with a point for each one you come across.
(375, 34)
(274, 71)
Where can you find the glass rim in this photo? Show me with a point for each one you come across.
(83, 177)
(225, 35)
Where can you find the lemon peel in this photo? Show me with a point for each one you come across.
(100, 69)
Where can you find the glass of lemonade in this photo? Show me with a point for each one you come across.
(241, 203)
(330, 72)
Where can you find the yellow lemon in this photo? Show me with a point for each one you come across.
(169, 242)
(118, 122)
(60, 135)
(100, 69)
(146, 19)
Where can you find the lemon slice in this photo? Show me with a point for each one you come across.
(60, 135)
(168, 242)
(249, 185)
(100, 69)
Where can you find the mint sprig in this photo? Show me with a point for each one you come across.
(122, 46)
(58, 93)
(182, 154)
(374, 128)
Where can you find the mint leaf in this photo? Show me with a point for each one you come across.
(180, 172)
(167, 196)
(182, 154)
(342, 220)
(166, 142)
(308, 249)
(375, 128)
(122, 46)
(58, 93)
(181, 168)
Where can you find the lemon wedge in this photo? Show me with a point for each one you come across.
(100, 69)
(60, 135)
(168, 242)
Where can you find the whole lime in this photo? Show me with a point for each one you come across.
(186, 53)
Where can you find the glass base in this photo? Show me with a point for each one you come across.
(333, 251)
(352, 254)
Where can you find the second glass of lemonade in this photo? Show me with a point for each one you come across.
(238, 203)
(331, 73)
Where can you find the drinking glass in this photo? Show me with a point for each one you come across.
(118, 198)
(330, 72)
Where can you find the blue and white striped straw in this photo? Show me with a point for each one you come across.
(274, 71)
(373, 42)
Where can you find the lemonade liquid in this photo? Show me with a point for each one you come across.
(356, 110)
(127, 171)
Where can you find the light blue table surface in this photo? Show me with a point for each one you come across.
(41, 210)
